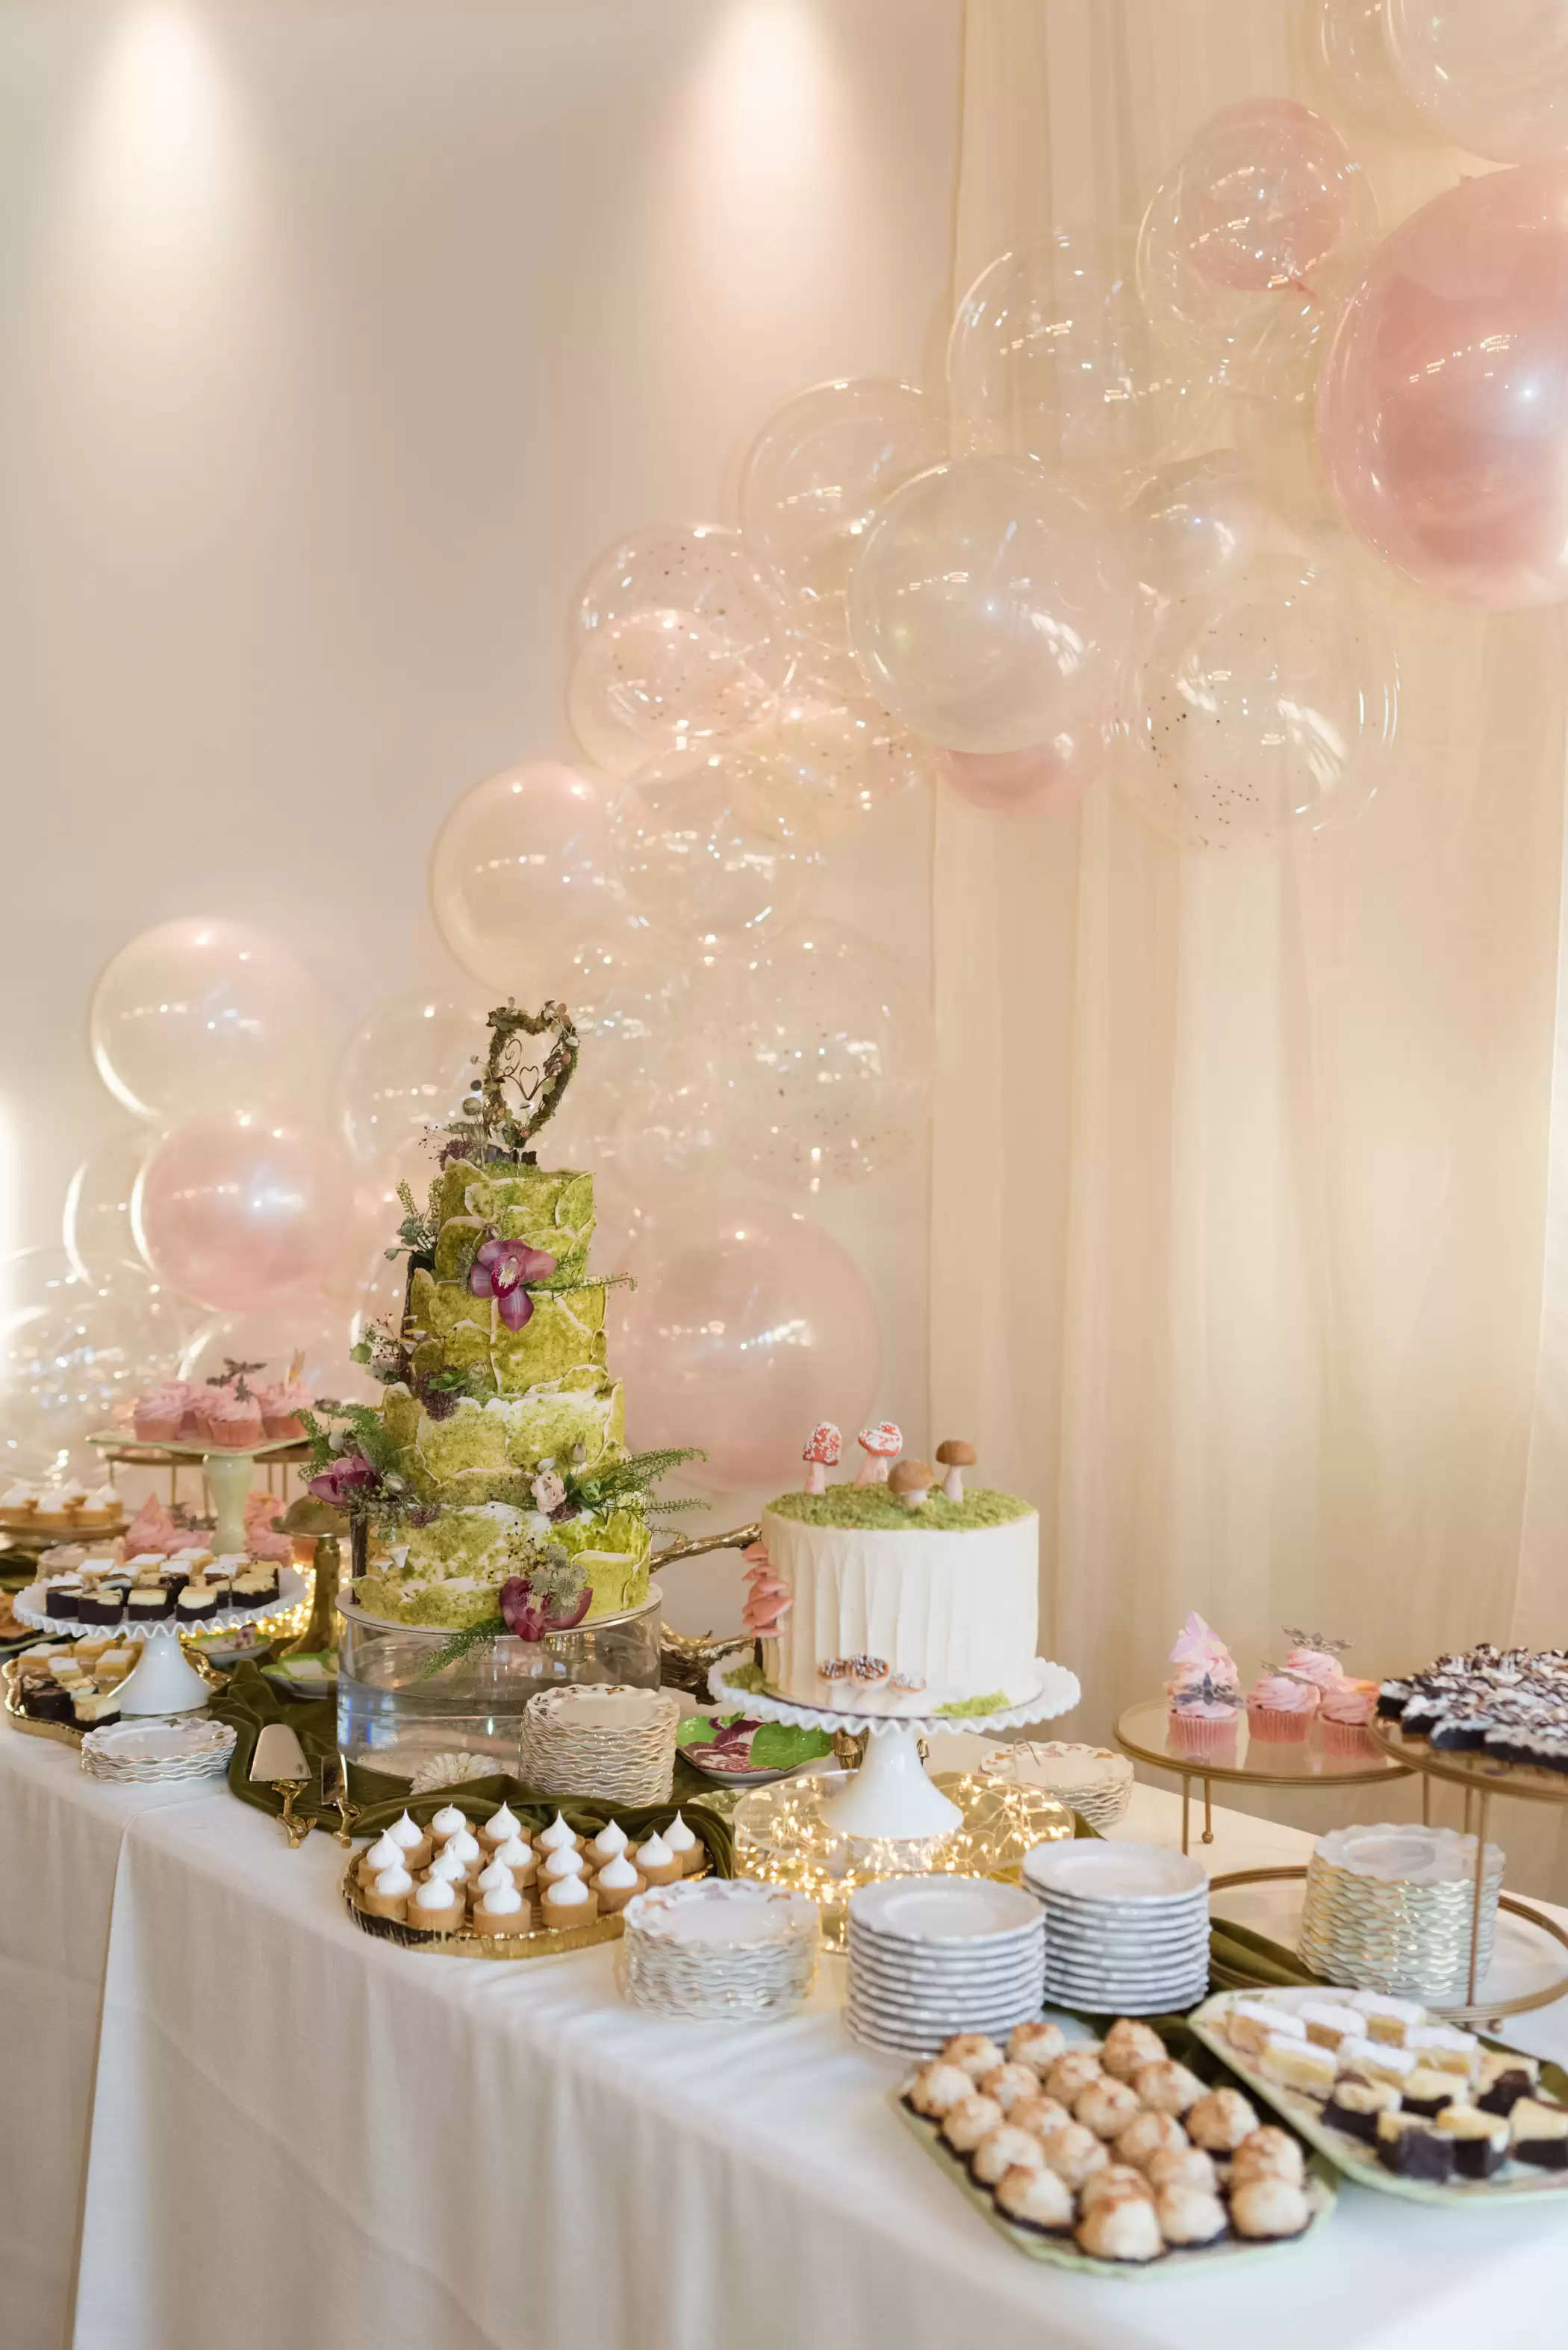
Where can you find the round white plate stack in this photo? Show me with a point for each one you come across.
(1090, 1779)
(602, 1739)
(722, 1948)
(929, 1955)
(1127, 1925)
(152, 1754)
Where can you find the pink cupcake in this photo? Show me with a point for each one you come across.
(282, 1401)
(1344, 1712)
(1280, 1706)
(1203, 1717)
(1200, 1650)
(1314, 1658)
(159, 1415)
(234, 1421)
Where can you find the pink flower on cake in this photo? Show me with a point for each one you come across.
(1198, 1651)
(770, 1600)
(345, 1480)
(881, 1445)
(549, 1490)
(502, 1270)
(531, 1617)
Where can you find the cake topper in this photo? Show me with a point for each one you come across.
(821, 1452)
(881, 1445)
(513, 1097)
(955, 1456)
(1318, 1640)
(911, 1481)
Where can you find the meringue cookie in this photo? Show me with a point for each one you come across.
(438, 1901)
(567, 1893)
(677, 1835)
(503, 1900)
(518, 1856)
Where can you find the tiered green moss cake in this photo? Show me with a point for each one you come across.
(487, 1412)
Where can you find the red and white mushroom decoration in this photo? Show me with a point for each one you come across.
(822, 1447)
(881, 1445)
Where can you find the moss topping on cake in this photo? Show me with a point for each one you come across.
(872, 1508)
(993, 1703)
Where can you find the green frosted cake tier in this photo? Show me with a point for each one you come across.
(477, 1451)
(451, 1570)
(547, 1208)
(464, 1332)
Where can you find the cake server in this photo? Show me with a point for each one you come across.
(279, 1761)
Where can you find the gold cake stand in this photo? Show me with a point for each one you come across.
(780, 1838)
(1144, 1732)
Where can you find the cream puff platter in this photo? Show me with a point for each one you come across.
(501, 1889)
(1112, 2156)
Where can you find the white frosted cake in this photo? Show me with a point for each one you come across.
(875, 1605)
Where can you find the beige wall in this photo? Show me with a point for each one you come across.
(336, 341)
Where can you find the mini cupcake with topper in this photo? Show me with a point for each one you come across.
(1281, 1705)
(1204, 1691)
(1314, 1656)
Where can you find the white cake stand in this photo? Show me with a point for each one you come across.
(890, 1797)
(163, 1682)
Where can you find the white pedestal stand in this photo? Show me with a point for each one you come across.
(890, 1797)
(163, 1682)
(229, 1476)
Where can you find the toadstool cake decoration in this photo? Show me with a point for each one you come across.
(822, 1448)
(912, 1480)
(881, 1445)
(955, 1456)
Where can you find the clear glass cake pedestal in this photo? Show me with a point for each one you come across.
(394, 1713)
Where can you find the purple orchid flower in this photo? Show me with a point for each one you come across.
(502, 1270)
(345, 1480)
(530, 1618)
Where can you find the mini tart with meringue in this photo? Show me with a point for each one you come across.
(436, 1906)
(569, 1901)
(686, 1845)
(388, 1893)
(502, 1910)
(618, 1882)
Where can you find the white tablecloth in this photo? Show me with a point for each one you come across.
(298, 2134)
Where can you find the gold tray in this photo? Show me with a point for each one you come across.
(64, 1733)
(1470, 1771)
(540, 1942)
(1304, 2116)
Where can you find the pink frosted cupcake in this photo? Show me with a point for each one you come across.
(1280, 1706)
(282, 1401)
(159, 1415)
(1203, 1717)
(1344, 1712)
(1200, 1650)
(1314, 1658)
(233, 1423)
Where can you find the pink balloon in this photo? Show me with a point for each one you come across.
(238, 1212)
(1047, 781)
(1264, 193)
(1442, 413)
(747, 1327)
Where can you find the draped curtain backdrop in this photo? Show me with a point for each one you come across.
(1242, 1260)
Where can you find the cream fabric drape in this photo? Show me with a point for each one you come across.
(1240, 1175)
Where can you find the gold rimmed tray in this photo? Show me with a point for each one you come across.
(1473, 1771)
(539, 1942)
(64, 1733)
(1061, 2252)
(1518, 2182)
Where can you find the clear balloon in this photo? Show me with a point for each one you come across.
(990, 611)
(406, 1070)
(320, 1332)
(623, 995)
(204, 1013)
(748, 1324)
(73, 1354)
(1267, 191)
(1193, 526)
(827, 744)
(242, 1210)
(658, 681)
(519, 874)
(701, 853)
(1442, 413)
(1052, 355)
(1354, 50)
(1266, 708)
(702, 569)
(838, 1045)
(1489, 75)
(816, 474)
(96, 1223)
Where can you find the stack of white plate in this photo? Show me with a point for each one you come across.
(721, 1949)
(929, 1955)
(152, 1753)
(1090, 1779)
(1127, 1925)
(606, 1739)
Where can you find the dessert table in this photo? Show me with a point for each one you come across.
(233, 2118)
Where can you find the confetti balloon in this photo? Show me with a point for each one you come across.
(746, 1323)
(1442, 412)
(659, 681)
(991, 609)
(1053, 356)
(815, 476)
(1489, 75)
(519, 874)
(838, 1042)
(238, 1210)
(96, 1223)
(828, 745)
(1267, 707)
(696, 567)
(204, 1013)
(406, 1070)
(701, 853)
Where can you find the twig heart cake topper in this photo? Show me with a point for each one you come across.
(513, 1097)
